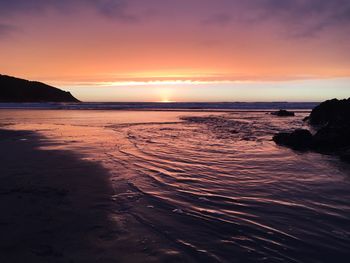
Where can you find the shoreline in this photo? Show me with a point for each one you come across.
(57, 207)
(79, 190)
(164, 110)
(167, 107)
(53, 202)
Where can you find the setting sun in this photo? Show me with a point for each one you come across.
(165, 94)
(165, 101)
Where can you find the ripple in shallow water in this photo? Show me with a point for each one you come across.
(216, 186)
(220, 188)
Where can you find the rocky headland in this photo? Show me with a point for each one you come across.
(20, 90)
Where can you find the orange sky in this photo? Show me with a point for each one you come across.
(87, 43)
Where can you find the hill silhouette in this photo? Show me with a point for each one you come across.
(20, 90)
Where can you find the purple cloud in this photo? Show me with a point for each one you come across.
(6, 30)
(297, 17)
(110, 8)
(221, 19)
(309, 16)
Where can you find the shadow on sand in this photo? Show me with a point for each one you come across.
(54, 206)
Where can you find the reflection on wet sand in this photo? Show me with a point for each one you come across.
(209, 187)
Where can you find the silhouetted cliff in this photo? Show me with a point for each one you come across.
(20, 90)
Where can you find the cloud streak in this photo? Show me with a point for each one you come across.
(308, 17)
(6, 30)
(116, 9)
(174, 39)
(297, 17)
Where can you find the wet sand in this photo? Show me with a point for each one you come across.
(56, 207)
(113, 186)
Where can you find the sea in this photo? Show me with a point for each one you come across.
(207, 176)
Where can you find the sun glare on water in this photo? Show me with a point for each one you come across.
(166, 101)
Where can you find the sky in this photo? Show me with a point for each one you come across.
(180, 50)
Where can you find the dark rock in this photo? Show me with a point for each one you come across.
(299, 139)
(331, 112)
(283, 113)
(332, 138)
(345, 156)
(20, 90)
(331, 119)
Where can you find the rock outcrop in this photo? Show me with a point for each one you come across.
(20, 90)
(283, 113)
(299, 139)
(335, 112)
(331, 120)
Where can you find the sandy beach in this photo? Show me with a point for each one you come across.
(57, 208)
